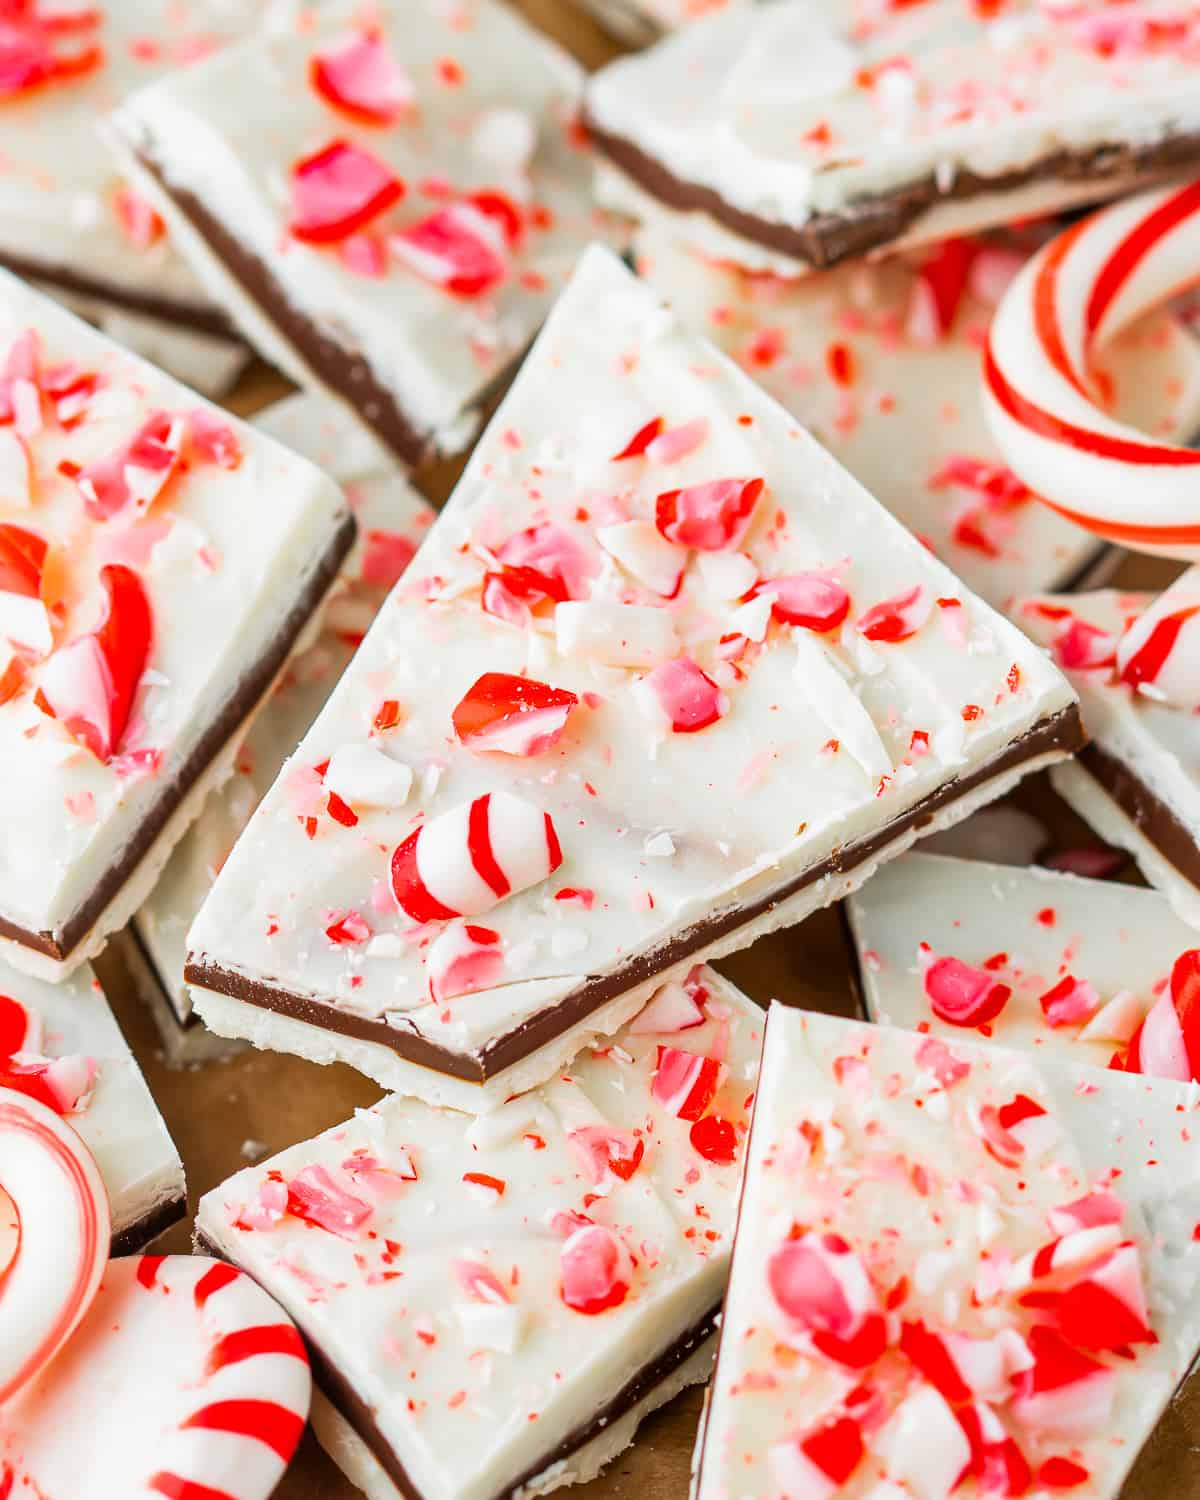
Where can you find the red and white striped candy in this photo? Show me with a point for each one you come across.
(1065, 1392)
(684, 1082)
(1043, 403)
(462, 959)
(1167, 1044)
(958, 993)
(469, 859)
(596, 1269)
(821, 1285)
(186, 1381)
(1159, 655)
(24, 619)
(63, 1232)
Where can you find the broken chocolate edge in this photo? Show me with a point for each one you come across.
(248, 691)
(142, 1232)
(339, 1391)
(1149, 814)
(875, 221)
(1062, 732)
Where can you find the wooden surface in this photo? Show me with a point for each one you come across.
(225, 1114)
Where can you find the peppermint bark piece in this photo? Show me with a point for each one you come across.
(392, 520)
(956, 1272)
(386, 205)
(878, 362)
(68, 220)
(61, 1045)
(1138, 783)
(158, 562)
(663, 677)
(494, 1304)
(1068, 968)
(803, 134)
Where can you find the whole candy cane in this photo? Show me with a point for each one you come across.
(62, 1237)
(1043, 400)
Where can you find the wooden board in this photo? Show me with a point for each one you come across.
(225, 1114)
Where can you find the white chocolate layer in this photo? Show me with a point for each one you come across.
(473, 1394)
(794, 111)
(902, 411)
(392, 520)
(494, 108)
(814, 742)
(119, 1123)
(1159, 744)
(223, 557)
(1029, 929)
(855, 1137)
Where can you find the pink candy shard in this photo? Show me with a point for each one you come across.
(386, 554)
(139, 222)
(939, 289)
(820, 1283)
(814, 601)
(24, 619)
(464, 960)
(595, 1268)
(1167, 1044)
(137, 472)
(337, 190)
(640, 441)
(463, 247)
(361, 78)
(1069, 1002)
(1082, 647)
(90, 684)
(512, 715)
(601, 1149)
(479, 1282)
(555, 556)
(962, 995)
(710, 517)
(1106, 1308)
(674, 443)
(898, 618)
(313, 1195)
(996, 484)
(684, 1083)
(688, 697)
(36, 50)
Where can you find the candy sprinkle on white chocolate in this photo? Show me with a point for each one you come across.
(499, 1299)
(1135, 662)
(1071, 969)
(60, 1045)
(610, 781)
(807, 132)
(392, 520)
(878, 361)
(956, 1272)
(158, 561)
(385, 202)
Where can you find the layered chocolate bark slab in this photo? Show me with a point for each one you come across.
(879, 363)
(68, 220)
(386, 206)
(662, 677)
(61, 1045)
(1064, 967)
(958, 1270)
(1138, 783)
(392, 522)
(493, 1304)
(159, 562)
(803, 134)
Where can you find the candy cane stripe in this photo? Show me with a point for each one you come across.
(1045, 305)
(214, 1281)
(147, 1271)
(266, 1421)
(175, 1487)
(479, 843)
(1134, 248)
(249, 1343)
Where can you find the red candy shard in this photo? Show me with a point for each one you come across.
(512, 715)
(553, 558)
(1107, 1309)
(710, 517)
(22, 558)
(898, 618)
(213, 439)
(313, 1195)
(1185, 997)
(940, 287)
(337, 190)
(14, 1026)
(137, 472)
(962, 995)
(361, 78)
(688, 697)
(996, 1458)
(715, 1139)
(998, 1141)
(386, 554)
(1069, 1002)
(834, 1450)
(1062, 1474)
(995, 484)
(29, 47)
(641, 440)
(1065, 1391)
(595, 1268)
(932, 1357)
(815, 601)
(1151, 656)
(90, 684)
(1082, 647)
(685, 1083)
(860, 1351)
(602, 1149)
(820, 1283)
(463, 247)
(513, 594)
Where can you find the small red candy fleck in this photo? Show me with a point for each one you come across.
(337, 190)
(484, 1180)
(1062, 1474)
(840, 362)
(387, 716)
(715, 1139)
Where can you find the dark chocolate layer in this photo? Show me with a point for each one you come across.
(876, 220)
(136, 1236)
(199, 317)
(338, 1390)
(1174, 840)
(247, 692)
(1063, 732)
